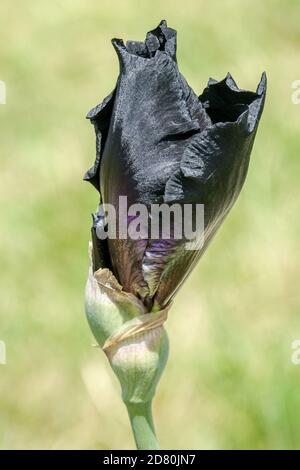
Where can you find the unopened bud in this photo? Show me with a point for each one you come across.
(134, 341)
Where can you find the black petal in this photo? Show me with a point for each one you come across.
(155, 116)
(161, 38)
(212, 172)
(224, 101)
(100, 116)
(100, 253)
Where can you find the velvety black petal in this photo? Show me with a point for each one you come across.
(138, 48)
(155, 116)
(162, 38)
(224, 101)
(100, 252)
(212, 172)
(100, 117)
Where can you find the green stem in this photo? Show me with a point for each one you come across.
(140, 415)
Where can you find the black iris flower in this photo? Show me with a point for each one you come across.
(158, 142)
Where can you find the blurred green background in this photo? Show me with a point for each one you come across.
(229, 382)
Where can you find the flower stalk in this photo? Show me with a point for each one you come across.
(140, 415)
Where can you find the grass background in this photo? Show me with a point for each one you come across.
(229, 382)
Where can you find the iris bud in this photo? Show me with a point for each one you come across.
(158, 143)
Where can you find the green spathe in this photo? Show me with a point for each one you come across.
(135, 343)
